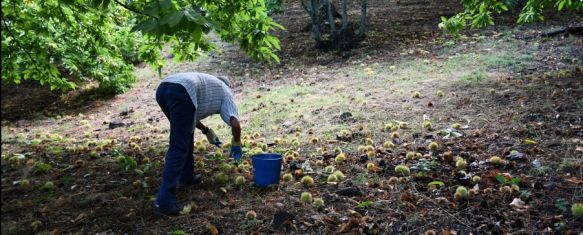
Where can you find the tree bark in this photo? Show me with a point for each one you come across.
(344, 14)
(331, 20)
(362, 28)
(316, 22)
(306, 8)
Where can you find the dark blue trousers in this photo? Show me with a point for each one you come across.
(179, 164)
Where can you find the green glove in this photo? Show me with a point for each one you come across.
(212, 137)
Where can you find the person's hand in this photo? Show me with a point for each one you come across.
(212, 138)
(236, 151)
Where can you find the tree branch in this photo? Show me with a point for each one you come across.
(132, 10)
(7, 27)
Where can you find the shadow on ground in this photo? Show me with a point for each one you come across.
(30, 101)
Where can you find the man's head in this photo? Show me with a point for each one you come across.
(226, 80)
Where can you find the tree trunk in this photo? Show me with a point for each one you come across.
(316, 22)
(331, 21)
(362, 28)
(344, 15)
(306, 8)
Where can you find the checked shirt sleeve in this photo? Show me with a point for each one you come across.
(229, 109)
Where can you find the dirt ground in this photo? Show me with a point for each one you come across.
(518, 99)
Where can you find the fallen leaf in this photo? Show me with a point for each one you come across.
(186, 209)
(352, 223)
(518, 204)
(329, 220)
(442, 200)
(80, 217)
(130, 214)
(529, 141)
(407, 196)
(375, 169)
(447, 232)
(212, 229)
(355, 214)
(317, 218)
(574, 180)
(56, 232)
(366, 219)
(410, 206)
(45, 210)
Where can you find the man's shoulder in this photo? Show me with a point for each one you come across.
(185, 75)
(193, 76)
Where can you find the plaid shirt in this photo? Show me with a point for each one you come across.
(209, 95)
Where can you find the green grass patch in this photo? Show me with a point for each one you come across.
(55, 150)
(65, 127)
(475, 76)
(457, 63)
(466, 61)
(296, 103)
(137, 128)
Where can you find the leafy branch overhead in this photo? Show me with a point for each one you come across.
(64, 44)
(478, 13)
(67, 43)
(186, 24)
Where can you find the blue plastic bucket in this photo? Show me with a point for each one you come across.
(266, 168)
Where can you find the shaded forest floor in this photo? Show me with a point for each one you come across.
(518, 99)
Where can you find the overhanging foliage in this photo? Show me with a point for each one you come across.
(478, 13)
(66, 43)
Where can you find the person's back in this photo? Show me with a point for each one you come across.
(207, 92)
